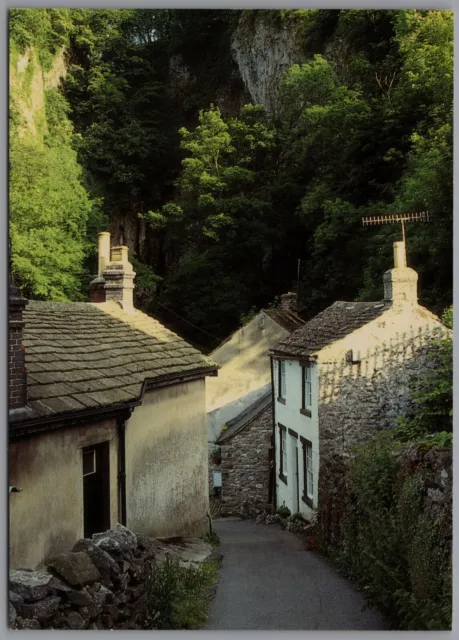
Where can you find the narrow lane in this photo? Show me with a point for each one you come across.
(269, 581)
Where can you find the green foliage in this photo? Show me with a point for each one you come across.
(212, 538)
(432, 415)
(297, 517)
(49, 210)
(283, 511)
(46, 30)
(391, 545)
(231, 198)
(179, 597)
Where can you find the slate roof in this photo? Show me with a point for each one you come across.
(334, 323)
(249, 414)
(92, 355)
(286, 319)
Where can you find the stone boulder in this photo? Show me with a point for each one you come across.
(31, 586)
(12, 615)
(41, 610)
(107, 566)
(119, 541)
(26, 623)
(76, 568)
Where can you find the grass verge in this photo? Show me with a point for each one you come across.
(180, 596)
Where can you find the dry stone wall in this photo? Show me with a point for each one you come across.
(103, 583)
(246, 468)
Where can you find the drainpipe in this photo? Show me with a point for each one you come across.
(272, 480)
(121, 428)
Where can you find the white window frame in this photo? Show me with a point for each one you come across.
(309, 472)
(282, 381)
(307, 388)
(87, 453)
(283, 456)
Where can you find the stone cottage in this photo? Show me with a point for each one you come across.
(106, 420)
(244, 375)
(343, 376)
(246, 450)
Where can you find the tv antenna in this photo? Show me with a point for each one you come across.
(392, 218)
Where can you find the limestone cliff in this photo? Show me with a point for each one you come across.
(28, 85)
(263, 50)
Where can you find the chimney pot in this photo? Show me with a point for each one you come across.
(104, 251)
(400, 283)
(399, 255)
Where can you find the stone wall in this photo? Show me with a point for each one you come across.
(357, 400)
(101, 584)
(365, 378)
(246, 467)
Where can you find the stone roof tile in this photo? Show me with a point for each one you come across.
(85, 355)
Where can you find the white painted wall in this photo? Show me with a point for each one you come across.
(244, 361)
(289, 416)
(166, 462)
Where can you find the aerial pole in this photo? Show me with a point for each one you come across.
(393, 218)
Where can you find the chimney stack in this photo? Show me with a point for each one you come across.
(400, 283)
(119, 278)
(115, 279)
(17, 379)
(289, 302)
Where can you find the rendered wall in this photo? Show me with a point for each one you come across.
(245, 363)
(166, 462)
(47, 516)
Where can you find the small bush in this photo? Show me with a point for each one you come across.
(283, 511)
(212, 538)
(297, 517)
(179, 596)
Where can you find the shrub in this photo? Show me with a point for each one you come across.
(391, 545)
(179, 596)
(212, 538)
(283, 511)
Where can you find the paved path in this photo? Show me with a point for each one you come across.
(269, 581)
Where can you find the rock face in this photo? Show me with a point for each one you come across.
(246, 468)
(103, 583)
(263, 51)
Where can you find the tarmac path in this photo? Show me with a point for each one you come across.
(268, 580)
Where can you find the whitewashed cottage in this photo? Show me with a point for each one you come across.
(341, 377)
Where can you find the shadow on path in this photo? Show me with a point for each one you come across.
(269, 581)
